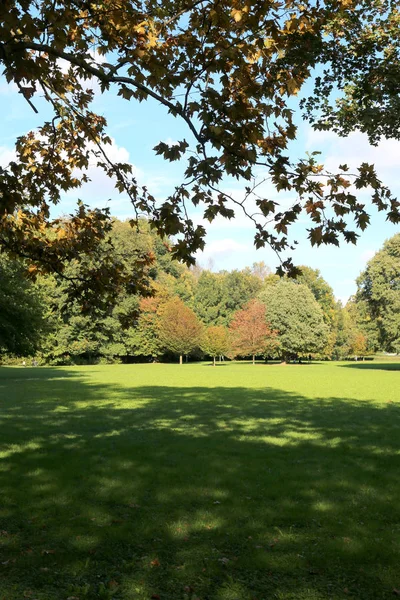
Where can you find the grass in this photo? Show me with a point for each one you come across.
(235, 483)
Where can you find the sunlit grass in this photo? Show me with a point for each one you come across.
(228, 483)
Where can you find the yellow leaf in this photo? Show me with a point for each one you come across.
(237, 15)
(292, 87)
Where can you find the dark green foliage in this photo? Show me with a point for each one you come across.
(21, 310)
(208, 300)
(218, 296)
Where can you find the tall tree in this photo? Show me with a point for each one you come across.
(231, 74)
(251, 334)
(144, 338)
(293, 311)
(322, 292)
(215, 341)
(209, 298)
(378, 294)
(22, 310)
(180, 330)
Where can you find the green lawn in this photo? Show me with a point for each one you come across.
(238, 482)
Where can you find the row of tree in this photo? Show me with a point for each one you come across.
(163, 308)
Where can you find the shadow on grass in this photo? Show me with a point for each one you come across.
(376, 366)
(183, 493)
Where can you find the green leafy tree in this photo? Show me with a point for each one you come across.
(218, 295)
(239, 288)
(250, 333)
(215, 341)
(322, 292)
(231, 73)
(292, 310)
(209, 298)
(378, 294)
(180, 330)
(144, 338)
(22, 310)
(85, 330)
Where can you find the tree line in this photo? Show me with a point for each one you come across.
(164, 309)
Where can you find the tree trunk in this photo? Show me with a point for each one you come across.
(254, 359)
(214, 361)
(180, 359)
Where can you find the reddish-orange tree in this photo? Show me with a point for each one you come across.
(180, 329)
(251, 334)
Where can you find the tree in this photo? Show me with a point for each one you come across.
(180, 330)
(218, 295)
(144, 339)
(208, 301)
(22, 310)
(238, 289)
(215, 341)
(321, 290)
(323, 293)
(378, 294)
(251, 334)
(359, 345)
(231, 74)
(292, 310)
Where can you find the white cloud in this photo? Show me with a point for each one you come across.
(219, 249)
(6, 155)
(353, 150)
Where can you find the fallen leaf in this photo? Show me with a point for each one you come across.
(155, 563)
(113, 584)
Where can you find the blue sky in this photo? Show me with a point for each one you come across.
(136, 128)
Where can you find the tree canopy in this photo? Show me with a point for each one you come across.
(378, 295)
(250, 332)
(231, 71)
(21, 311)
(215, 341)
(180, 330)
(292, 310)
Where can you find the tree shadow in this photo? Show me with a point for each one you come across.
(183, 492)
(376, 366)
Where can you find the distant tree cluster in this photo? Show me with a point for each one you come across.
(179, 311)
